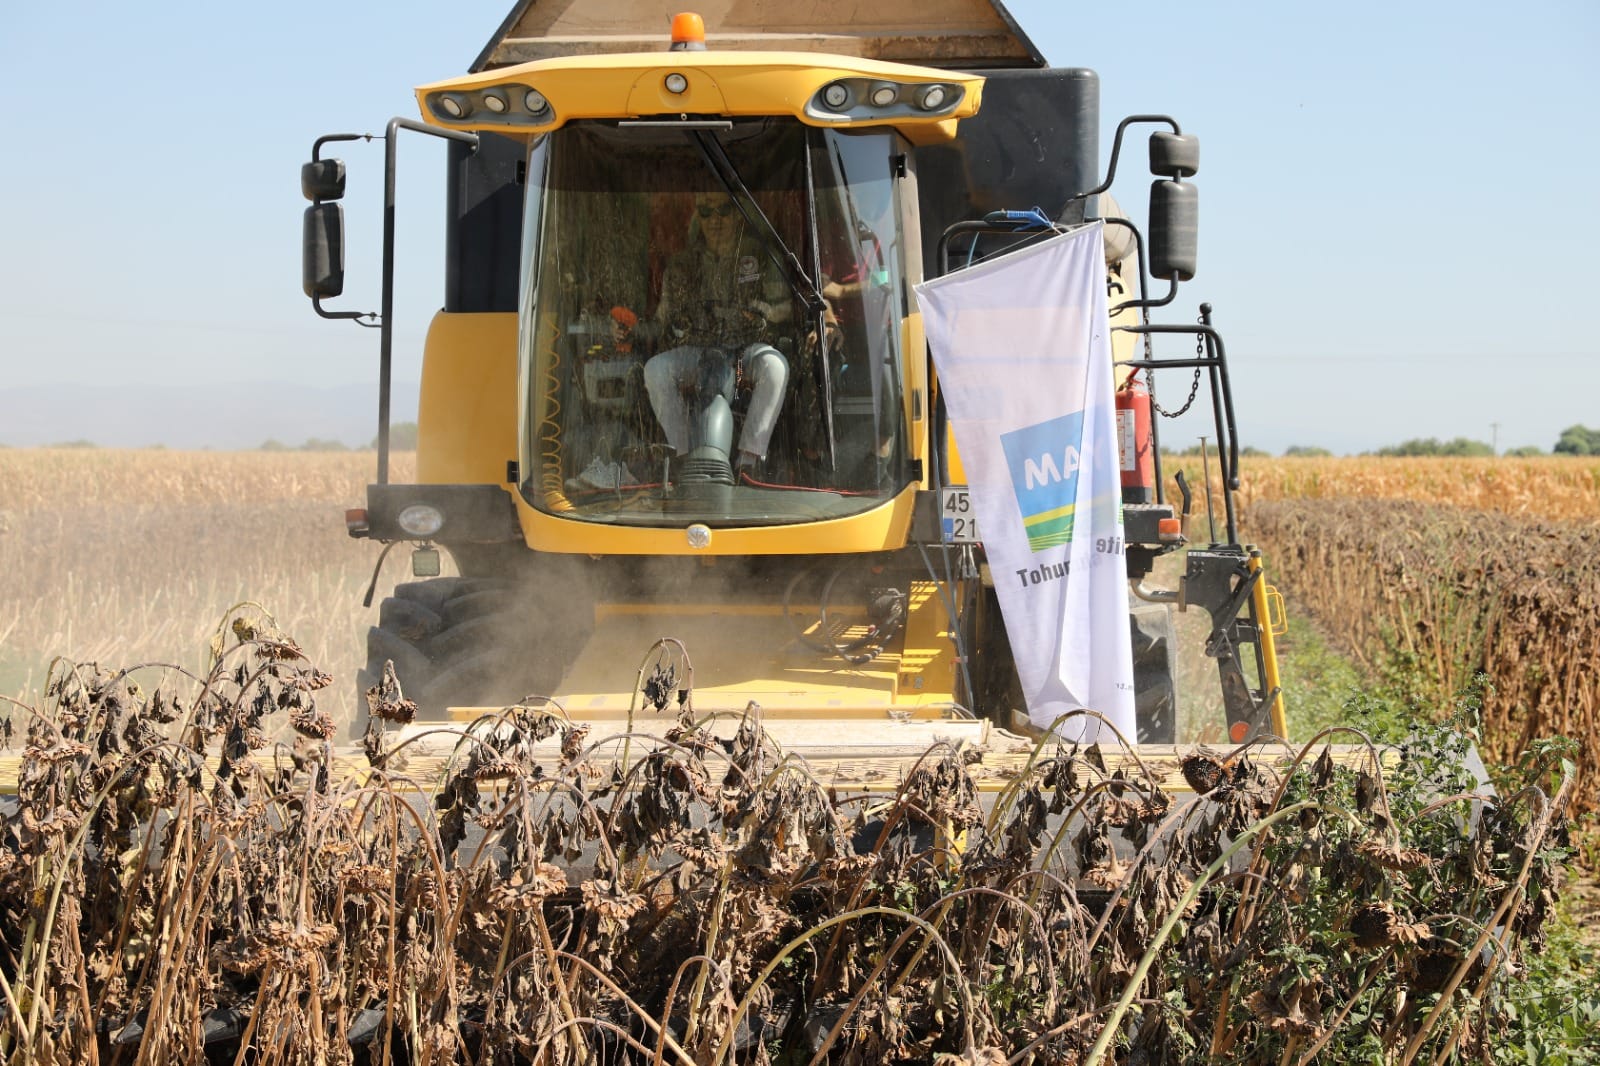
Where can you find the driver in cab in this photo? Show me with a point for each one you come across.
(720, 298)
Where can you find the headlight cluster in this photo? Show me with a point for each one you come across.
(510, 104)
(862, 98)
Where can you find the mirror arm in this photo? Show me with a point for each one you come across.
(386, 315)
(1172, 290)
(316, 146)
(357, 316)
(1116, 152)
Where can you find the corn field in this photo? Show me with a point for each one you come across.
(130, 556)
(1542, 488)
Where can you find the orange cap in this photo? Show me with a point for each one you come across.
(625, 317)
(688, 32)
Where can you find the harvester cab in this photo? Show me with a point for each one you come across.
(678, 402)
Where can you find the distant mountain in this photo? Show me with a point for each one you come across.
(224, 416)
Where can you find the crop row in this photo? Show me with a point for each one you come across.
(1458, 593)
(171, 874)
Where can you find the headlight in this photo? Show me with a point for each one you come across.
(874, 100)
(420, 519)
(495, 105)
(676, 83)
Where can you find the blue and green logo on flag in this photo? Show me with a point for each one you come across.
(1044, 459)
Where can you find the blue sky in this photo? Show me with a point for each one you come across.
(1393, 228)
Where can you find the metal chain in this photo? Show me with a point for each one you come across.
(1194, 386)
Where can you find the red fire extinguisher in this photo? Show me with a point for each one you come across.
(1134, 442)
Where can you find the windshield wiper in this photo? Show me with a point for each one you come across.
(782, 256)
(716, 157)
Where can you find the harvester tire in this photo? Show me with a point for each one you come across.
(458, 641)
(408, 618)
(477, 603)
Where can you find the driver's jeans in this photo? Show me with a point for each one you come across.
(670, 377)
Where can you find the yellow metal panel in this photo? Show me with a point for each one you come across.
(467, 412)
(958, 473)
(927, 661)
(737, 657)
(649, 95)
(720, 83)
(914, 349)
(1261, 606)
(881, 529)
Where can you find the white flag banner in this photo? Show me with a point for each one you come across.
(1023, 351)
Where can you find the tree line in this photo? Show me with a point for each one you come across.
(1574, 440)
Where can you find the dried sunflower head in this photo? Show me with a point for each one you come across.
(572, 741)
(610, 902)
(386, 700)
(66, 749)
(526, 891)
(1377, 925)
(287, 945)
(312, 680)
(1433, 969)
(1202, 772)
(700, 847)
(845, 866)
(1393, 856)
(366, 879)
(1289, 1010)
(281, 649)
(318, 725)
(399, 709)
(495, 768)
(230, 825)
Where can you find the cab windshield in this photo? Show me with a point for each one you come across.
(710, 323)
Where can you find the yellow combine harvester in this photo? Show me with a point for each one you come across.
(618, 443)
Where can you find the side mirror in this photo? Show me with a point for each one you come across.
(1174, 229)
(1174, 155)
(322, 179)
(322, 264)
